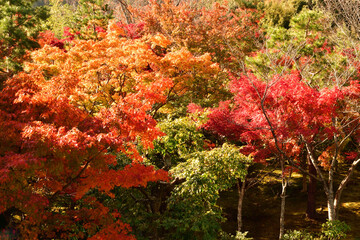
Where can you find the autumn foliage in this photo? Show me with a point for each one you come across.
(227, 34)
(96, 118)
(275, 117)
(63, 120)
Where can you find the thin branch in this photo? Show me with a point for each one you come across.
(346, 179)
(72, 180)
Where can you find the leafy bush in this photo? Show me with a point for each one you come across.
(333, 230)
(298, 235)
(238, 236)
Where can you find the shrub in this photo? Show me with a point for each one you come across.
(333, 230)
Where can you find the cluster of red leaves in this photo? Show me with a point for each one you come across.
(52, 148)
(294, 111)
(133, 30)
(70, 34)
(49, 38)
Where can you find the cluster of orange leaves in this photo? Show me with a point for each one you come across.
(210, 30)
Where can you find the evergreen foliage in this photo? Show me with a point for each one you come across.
(20, 23)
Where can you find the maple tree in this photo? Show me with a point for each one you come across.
(64, 118)
(201, 32)
(225, 33)
(324, 57)
(287, 115)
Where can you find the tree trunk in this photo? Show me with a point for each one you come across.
(304, 183)
(126, 11)
(311, 197)
(282, 211)
(241, 191)
(331, 208)
(304, 164)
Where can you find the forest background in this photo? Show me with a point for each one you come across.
(135, 119)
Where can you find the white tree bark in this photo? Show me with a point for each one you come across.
(282, 209)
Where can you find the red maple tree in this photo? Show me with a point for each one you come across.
(279, 117)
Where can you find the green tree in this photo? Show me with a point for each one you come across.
(147, 207)
(20, 23)
(92, 15)
(185, 207)
(61, 15)
(279, 13)
(83, 20)
(194, 213)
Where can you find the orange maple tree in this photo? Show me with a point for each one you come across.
(227, 34)
(63, 120)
